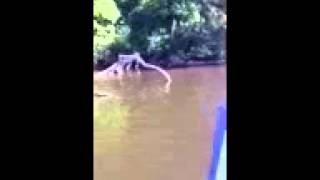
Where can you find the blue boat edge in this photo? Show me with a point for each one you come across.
(218, 160)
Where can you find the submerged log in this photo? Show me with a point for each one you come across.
(125, 64)
(102, 94)
(157, 68)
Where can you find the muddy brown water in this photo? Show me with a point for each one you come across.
(164, 136)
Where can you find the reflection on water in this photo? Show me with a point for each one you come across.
(109, 121)
(157, 135)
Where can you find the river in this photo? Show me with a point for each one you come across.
(157, 133)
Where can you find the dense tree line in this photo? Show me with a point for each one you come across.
(163, 31)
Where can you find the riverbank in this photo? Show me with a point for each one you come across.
(195, 63)
(175, 65)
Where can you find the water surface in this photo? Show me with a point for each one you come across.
(157, 135)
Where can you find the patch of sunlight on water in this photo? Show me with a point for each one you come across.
(109, 123)
(109, 113)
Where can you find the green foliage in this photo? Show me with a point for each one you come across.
(105, 14)
(159, 29)
(119, 46)
(197, 42)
